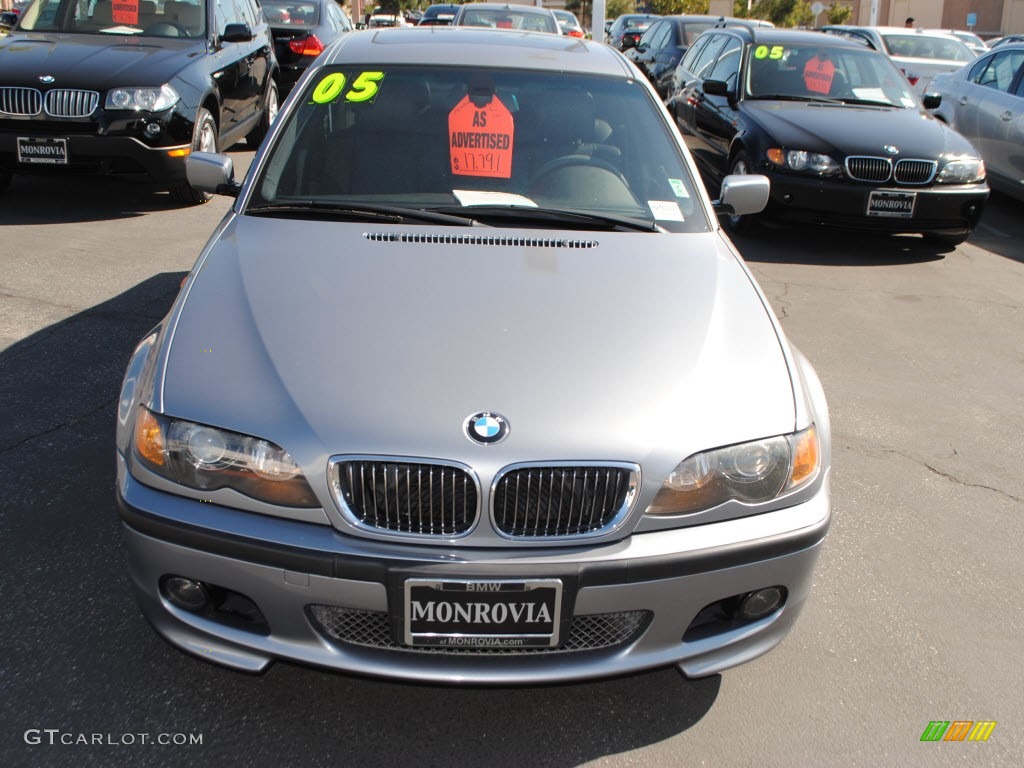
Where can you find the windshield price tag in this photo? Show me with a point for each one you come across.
(125, 12)
(481, 139)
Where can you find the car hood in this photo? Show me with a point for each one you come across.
(96, 62)
(331, 338)
(845, 129)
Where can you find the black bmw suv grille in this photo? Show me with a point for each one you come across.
(561, 501)
(408, 497)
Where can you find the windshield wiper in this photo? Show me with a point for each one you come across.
(360, 212)
(871, 103)
(791, 97)
(576, 218)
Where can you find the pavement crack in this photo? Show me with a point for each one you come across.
(63, 425)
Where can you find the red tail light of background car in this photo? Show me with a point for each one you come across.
(309, 45)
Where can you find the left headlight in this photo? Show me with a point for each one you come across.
(803, 161)
(962, 170)
(752, 472)
(206, 458)
(142, 99)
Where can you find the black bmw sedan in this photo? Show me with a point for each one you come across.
(130, 88)
(835, 127)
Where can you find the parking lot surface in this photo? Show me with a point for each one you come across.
(911, 620)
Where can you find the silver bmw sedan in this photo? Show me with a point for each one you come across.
(470, 386)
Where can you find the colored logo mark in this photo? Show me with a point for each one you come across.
(487, 428)
(958, 730)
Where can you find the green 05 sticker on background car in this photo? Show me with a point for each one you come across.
(363, 88)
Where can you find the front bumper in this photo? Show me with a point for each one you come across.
(291, 570)
(951, 210)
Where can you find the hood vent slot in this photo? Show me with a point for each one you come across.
(502, 242)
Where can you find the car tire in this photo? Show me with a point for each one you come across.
(271, 106)
(741, 225)
(204, 139)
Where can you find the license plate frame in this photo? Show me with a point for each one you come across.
(446, 613)
(898, 204)
(28, 153)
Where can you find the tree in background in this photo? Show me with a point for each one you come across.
(838, 14)
(672, 7)
(783, 13)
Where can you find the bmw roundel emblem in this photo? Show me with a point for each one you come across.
(46, 79)
(891, 149)
(487, 428)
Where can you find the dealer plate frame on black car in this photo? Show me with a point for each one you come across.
(881, 203)
(56, 158)
(459, 613)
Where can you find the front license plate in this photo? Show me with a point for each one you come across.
(482, 614)
(893, 205)
(42, 151)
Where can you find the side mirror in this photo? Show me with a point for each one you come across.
(628, 42)
(932, 100)
(716, 88)
(212, 173)
(742, 195)
(237, 33)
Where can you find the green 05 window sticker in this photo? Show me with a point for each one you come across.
(363, 88)
(764, 52)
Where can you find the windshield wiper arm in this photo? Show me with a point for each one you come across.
(528, 213)
(792, 97)
(361, 211)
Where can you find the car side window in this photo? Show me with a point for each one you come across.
(647, 38)
(693, 53)
(727, 67)
(708, 56)
(1001, 70)
(245, 12)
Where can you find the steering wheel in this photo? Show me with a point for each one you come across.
(572, 161)
(166, 29)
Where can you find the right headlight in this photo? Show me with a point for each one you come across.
(142, 99)
(752, 472)
(962, 170)
(207, 459)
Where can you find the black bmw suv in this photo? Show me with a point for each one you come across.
(132, 87)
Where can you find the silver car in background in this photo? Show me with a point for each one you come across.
(984, 101)
(508, 408)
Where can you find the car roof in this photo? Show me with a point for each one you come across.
(519, 7)
(477, 47)
(783, 36)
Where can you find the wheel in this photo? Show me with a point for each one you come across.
(741, 225)
(578, 181)
(271, 105)
(204, 139)
(570, 161)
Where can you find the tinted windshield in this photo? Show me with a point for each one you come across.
(926, 47)
(508, 18)
(173, 18)
(288, 12)
(822, 71)
(430, 137)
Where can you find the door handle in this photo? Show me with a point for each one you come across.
(1007, 116)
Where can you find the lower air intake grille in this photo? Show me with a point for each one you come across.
(372, 629)
(406, 497)
(561, 501)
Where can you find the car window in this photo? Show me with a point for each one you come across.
(145, 18)
(999, 70)
(727, 67)
(648, 37)
(693, 52)
(814, 71)
(927, 47)
(708, 55)
(289, 12)
(455, 136)
(689, 32)
(660, 37)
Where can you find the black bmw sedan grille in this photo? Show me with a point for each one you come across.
(880, 170)
(561, 501)
(876, 169)
(915, 171)
(408, 497)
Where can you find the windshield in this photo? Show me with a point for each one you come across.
(508, 18)
(172, 18)
(810, 72)
(291, 12)
(927, 47)
(443, 137)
